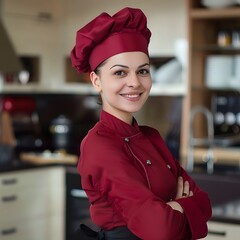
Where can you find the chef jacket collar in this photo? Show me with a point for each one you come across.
(119, 126)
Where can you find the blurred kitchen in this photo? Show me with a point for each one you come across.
(46, 108)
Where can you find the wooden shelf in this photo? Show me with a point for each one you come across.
(215, 13)
(204, 28)
(216, 48)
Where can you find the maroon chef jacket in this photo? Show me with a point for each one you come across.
(129, 174)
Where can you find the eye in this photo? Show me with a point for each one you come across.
(143, 71)
(119, 73)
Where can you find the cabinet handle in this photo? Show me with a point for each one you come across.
(9, 231)
(9, 181)
(9, 198)
(217, 233)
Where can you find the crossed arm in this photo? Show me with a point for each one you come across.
(183, 191)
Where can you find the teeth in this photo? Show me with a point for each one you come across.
(132, 96)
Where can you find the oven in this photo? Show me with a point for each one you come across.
(77, 205)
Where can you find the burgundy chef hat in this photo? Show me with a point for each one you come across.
(106, 35)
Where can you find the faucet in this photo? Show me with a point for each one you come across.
(209, 141)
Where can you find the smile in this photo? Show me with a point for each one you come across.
(134, 96)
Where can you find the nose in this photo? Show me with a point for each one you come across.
(133, 81)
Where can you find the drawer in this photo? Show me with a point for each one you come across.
(39, 229)
(31, 202)
(226, 231)
(31, 177)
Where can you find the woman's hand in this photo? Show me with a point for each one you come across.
(183, 191)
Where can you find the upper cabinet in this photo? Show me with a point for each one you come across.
(213, 78)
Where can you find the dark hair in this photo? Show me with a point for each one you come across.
(98, 72)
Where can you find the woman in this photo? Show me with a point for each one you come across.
(136, 188)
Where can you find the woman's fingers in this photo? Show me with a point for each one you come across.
(183, 188)
(179, 187)
(186, 190)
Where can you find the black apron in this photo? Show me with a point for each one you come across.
(118, 233)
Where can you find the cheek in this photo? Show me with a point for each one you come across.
(112, 86)
(147, 83)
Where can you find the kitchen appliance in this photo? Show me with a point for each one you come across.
(77, 205)
(25, 122)
(61, 130)
(226, 111)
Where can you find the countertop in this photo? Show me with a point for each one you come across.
(18, 165)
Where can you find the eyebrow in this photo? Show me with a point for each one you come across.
(124, 66)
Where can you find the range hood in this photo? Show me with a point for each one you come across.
(9, 61)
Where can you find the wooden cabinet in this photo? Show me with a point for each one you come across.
(226, 231)
(32, 204)
(204, 29)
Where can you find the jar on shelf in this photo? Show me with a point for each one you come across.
(224, 38)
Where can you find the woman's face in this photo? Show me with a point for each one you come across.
(124, 83)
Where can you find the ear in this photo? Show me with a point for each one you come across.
(95, 79)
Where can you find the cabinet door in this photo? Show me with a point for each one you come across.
(33, 204)
(29, 178)
(39, 229)
(224, 231)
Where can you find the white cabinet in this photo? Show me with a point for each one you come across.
(226, 231)
(32, 204)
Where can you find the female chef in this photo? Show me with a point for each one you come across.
(136, 188)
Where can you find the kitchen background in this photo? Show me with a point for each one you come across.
(46, 109)
(43, 34)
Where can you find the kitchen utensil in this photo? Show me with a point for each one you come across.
(218, 71)
(61, 129)
(235, 79)
(218, 3)
(7, 134)
(6, 154)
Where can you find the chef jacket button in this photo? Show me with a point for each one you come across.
(126, 139)
(168, 166)
(149, 162)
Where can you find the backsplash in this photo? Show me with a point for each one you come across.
(32, 125)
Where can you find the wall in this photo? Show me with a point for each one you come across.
(52, 39)
(166, 19)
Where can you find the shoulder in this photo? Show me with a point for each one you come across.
(100, 146)
(98, 137)
(150, 132)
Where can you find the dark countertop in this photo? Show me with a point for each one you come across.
(17, 165)
(223, 190)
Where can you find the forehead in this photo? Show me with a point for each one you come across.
(130, 59)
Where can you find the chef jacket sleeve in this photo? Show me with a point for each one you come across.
(197, 208)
